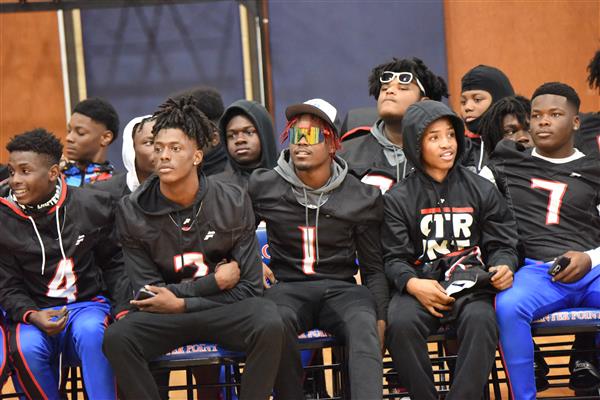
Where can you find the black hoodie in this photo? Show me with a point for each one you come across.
(426, 220)
(178, 247)
(260, 118)
(77, 235)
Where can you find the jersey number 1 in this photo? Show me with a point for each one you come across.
(557, 191)
(63, 282)
(308, 249)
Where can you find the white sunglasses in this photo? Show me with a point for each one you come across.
(403, 77)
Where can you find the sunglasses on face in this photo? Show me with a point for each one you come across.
(403, 77)
(313, 134)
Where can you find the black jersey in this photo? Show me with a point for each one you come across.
(366, 159)
(314, 243)
(65, 255)
(178, 247)
(555, 204)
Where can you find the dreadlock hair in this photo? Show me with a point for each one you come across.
(435, 86)
(558, 89)
(332, 139)
(39, 141)
(208, 99)
(184, 114)
(491, 127)
(594, 70)
(100, 111)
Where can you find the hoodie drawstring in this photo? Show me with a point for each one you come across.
(480, 157)
(317, 226)
(60, 242)
(316, 222)
(37, 233)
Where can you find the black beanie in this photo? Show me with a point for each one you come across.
(490, 79)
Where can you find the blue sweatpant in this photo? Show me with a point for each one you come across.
(532, 296)
(39, 358)
(4, 368)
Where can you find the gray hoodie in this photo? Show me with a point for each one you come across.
(307, 196)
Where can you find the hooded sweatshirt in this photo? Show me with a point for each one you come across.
(122, 184)
(375, 159)
(64, 254)
(165, 244)
(426, 220)
(316, 234)
(497, 84)
(261, 119)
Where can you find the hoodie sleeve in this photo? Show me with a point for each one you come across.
(371, 263)
(398, 248)
(498, 231)
(14, 297)
(245, 252)
(109, 256)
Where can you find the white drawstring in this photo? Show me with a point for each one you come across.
(480, 157)
(60, 242)
(41, 244)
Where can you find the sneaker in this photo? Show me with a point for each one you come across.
(584, 376)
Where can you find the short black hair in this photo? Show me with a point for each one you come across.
(138, 127)
(208, 99)
(492, 120)
(184, 114)
(39, 141)
(100, 111)
(594, 71)
(435, 86)
(558, 89)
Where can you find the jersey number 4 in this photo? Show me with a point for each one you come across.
(191, 260)
(62, 284)
(557, 192)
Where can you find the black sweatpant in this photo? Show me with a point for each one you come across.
(409, 325)
(251, 325)
(341, 308)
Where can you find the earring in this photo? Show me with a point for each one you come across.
(575, 128)
(195, 163)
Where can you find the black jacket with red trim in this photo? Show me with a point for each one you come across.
(34, 274)
(165, 244)
(426, 220)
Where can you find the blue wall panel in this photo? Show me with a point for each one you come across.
(135, 57)
(327, 48)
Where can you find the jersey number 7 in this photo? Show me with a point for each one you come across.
(557, 192)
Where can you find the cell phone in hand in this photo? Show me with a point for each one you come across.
(558, 265)
(144, 294)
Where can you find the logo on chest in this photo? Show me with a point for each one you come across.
(442, 227)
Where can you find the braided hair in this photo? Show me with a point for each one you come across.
(184, 114)
(491, 128)
(435, 86)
